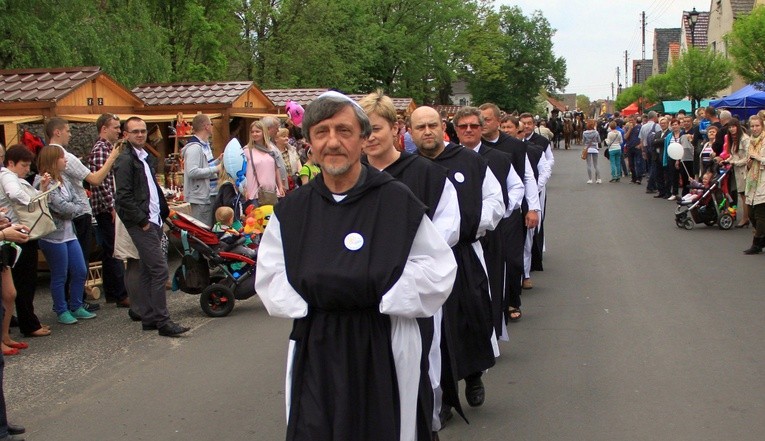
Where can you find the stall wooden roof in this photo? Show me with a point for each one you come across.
(450, 109)
(302, 96)
(80, 89)
(402, 105)
(240, 96)
(305, 97)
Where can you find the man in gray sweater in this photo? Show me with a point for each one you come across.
(200, 170)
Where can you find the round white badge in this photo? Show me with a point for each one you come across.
(354, 241)
(459, 177)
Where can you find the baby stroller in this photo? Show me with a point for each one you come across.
(233, 275)
(713, 207)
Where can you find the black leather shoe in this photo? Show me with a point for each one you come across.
(149, 327)
(134, 315)
(90, 307)
(474, 392)
(171, 329)
(15, 430)
(753, 250)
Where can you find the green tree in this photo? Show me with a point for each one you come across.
(583, 103)
(628, 96)
(117, 35)
(200, 36)
(508, 57)
(657, 88)
(746, 43)
(699, 74)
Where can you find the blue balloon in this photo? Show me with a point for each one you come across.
(234, 161)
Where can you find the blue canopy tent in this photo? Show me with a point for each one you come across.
(743, 103)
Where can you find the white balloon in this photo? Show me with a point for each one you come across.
(675, 151)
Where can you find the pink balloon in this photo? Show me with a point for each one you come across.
(295, 112)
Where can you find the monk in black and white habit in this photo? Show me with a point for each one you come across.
(469, 339)
(429, 182)
(355, 260)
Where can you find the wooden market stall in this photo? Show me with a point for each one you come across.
(229, 104)
(32, 95)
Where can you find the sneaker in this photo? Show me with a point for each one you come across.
(672, 198)
(90, 307)
(66, 318)
(81, 313)
(589, 181)
(598, 181)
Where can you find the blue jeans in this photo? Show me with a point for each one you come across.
(616, 163)
(65, 258)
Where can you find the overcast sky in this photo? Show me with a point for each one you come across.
(592, 35)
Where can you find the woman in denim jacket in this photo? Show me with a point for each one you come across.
(61, 248)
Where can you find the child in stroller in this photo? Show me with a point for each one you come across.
(229, 233)
(233, 275)
(712, 206)
(698, 188)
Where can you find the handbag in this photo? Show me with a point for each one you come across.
(124, 248)
(265, 197)
(606, 154)
(36, 215)
(584, 153)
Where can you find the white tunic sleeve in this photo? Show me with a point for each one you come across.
(271, 284)
(447, 215)
(549, 156)
(515, 192)
(492, 206)
(532, 191)
(427, 279)
(544, 172)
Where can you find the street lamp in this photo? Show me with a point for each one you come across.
(693, 17)
(638, 72)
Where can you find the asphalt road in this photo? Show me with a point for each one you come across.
(636, 330)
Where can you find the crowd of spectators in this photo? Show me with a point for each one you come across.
(712, 141)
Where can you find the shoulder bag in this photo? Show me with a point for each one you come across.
(36, 215)
(265, 197)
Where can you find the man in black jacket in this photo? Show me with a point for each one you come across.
(141, 206)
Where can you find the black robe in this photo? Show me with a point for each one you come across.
(539, 140)
(513, 228)
(467, 312)
(426, 179)
(500, 164)
(535, 155)
(344, 380)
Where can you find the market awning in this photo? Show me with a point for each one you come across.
(92, 117)
(20, 119)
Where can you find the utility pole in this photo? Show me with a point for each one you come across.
(612, 91)
(618, 81)
(643, 35)
(625, 69)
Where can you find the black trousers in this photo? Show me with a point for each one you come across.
(25, 278)
(113, 269)
(757, 218)
(3, 412)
